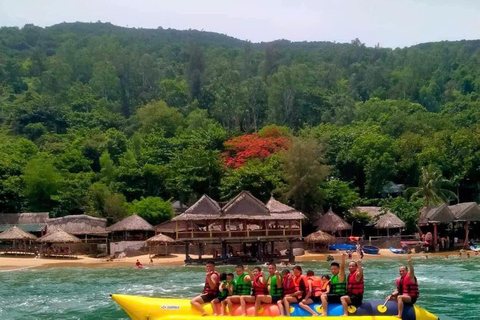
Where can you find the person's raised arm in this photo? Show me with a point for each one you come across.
(342, 268)
(248, 278)
(360, 270)
(410, 265)
(279, 279)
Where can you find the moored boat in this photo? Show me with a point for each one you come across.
(144, 308)
(397, 251)
(370, 249)
(342, 247)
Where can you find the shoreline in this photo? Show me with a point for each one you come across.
(12, 263)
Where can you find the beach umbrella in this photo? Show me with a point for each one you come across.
(160, 239)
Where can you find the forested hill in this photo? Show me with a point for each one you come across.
(107, 120)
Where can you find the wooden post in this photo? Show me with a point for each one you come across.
(435, 237)
(465, 245)
(291, 257)
(300, 224)
(187, 245)
(176, 230)
(272, 247)
(200, 250)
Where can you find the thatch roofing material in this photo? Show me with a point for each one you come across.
(440, 214)
(179, 207)
(280, 211)
(389, 221)
(330, 222)
(132, 223)
(24, 227)
(320, 237)
(466, 211)
(204, 209)
(159, 238)
(79, 225)
(16, 233)
(59, 236)
(169, 227)
(372, 212)
(245, 206)
(24, 218)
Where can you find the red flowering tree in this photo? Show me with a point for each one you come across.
(253, 146)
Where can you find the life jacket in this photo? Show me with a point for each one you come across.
(355, 287)
(258, 287)
(288, 285)
(274, 290)
(317, 286)
(406, 286)
(241, 287)
(338, 287)
(301, 285)
(224, 292)
(207, 289)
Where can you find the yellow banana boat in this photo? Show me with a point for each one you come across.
(144, 308)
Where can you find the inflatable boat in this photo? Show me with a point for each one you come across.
(342, 247)
(144, 308)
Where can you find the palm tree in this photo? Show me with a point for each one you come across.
(430, 188)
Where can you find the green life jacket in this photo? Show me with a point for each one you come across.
(224, 292)
(338, 287)
(275, 291)
(242, 288)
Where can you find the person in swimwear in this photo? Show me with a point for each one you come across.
(407, 287)
(210, 289)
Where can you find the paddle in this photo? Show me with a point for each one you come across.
(383, 308)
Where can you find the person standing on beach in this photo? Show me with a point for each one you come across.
(355, 286)
(407, 287)
(210, 290)
(338, 285)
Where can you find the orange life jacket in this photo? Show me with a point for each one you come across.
(353, 286)
(317, 286)
(288, 284)
(207, 289)
(301, 284)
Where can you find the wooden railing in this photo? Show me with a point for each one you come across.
(239, 234)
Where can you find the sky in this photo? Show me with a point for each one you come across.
(390, 23)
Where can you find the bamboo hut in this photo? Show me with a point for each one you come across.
(465, 214)
(320, 237)
(332, 223)
(85, 227)
(55, 238)
(179, 207)
(132, 228)
(435, 216)
(32, 222)
(15, 234)
(389, 221)
(159, 239)
(242, 220)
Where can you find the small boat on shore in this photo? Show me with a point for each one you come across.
(341, 247)
(144, 308)
(370, 249)
(397, 251)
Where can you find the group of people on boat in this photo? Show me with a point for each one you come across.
(284, 288)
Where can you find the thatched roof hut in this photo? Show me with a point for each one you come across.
(389, 221)
(15, 233)
(245, 207)
(440, 214)
(132, 223)
(27, 221)
(81, 224)
(59, 236)
(179, 207)
(159, 239)
(466, 211)
(330, 222)
(280, 211)
(204, 209)
(320, 237)
(371, 211)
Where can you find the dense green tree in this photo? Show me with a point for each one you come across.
(153, 209)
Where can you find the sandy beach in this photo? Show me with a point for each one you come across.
(10, 263)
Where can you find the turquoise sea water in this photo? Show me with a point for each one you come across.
(447, 287)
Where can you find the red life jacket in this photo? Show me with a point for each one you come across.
(258, 287)
(288, 285)
(301, 285)
(406, 286)
(317, 286)
(207, 289)
(355, 287)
